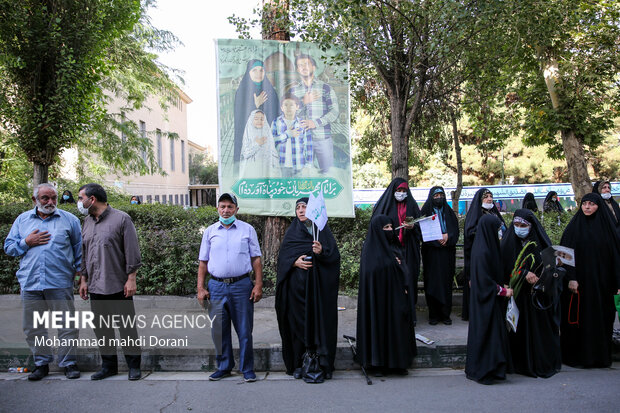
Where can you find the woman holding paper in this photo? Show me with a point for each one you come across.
(398, 204)
(385, 334)
(307, 293)
(587, 300)
(482, 204)
(488, 353)
(535, 346)
(439, 258)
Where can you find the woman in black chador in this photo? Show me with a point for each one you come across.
(603, 188)
(529, 202)
(307, 293)
(587, 300)
(439, 258)
(255, 92)
(482, 204)
(398, 203)
(385, 333)
(535, 346)
(488, 353)
(552, 204)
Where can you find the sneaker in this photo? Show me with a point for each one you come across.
(39, 372)
(249, 377)
(72, 372)
(218, 375)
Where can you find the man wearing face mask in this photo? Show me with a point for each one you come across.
(49, 243)
(604, 189)
(229, 252)
(535, 346)
(111, 261)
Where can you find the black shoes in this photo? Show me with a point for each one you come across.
(103, 373)
(447, 321)
(297, 373)
(433, 322)
(39, 372)
(72, 372)
(134, 373)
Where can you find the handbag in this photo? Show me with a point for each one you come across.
(311, 371)
(548, 288)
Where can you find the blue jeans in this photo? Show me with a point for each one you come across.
(231, 302)
(55, 299)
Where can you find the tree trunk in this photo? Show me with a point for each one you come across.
(40, 174)
(400, 140)
(576, 162)
(456, 195)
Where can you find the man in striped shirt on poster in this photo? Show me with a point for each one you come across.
(293, 142)
(319, 108)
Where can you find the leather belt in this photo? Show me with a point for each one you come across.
(230, 280)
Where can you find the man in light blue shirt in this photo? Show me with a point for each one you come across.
(49, 242)
(229, 251)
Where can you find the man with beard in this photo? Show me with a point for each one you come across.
(319, 109)
(49, 243)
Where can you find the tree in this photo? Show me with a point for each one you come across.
(202, 170)
(408, 47)
(59, 62)
(564, 68)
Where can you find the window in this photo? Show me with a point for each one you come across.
(186, 199)
(159, 155)
(171, 154)
(163, 199)
(157, 198)
(143, 136)
(176, 199)
(182, 157)
(170, 199)
(123, 135)
(149, 199)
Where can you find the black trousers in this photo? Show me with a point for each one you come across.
(104, 307)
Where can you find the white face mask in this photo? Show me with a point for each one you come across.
(487, 205)
(80, 207)
(400, 196)
(606, 195)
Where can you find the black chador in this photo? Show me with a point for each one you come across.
(385, 333)
(529, 202)
(408, 239)
(439, 260)
(488, 353)
(611, 206)
(535, 346)
(307, 300)
(476, 211)
(588, 315)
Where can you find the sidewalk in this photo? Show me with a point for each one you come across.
(198, 352)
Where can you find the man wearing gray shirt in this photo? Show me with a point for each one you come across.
(111, 258)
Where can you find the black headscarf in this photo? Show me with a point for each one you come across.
(615, 216)
(320, 309)
(387, 204)
(597, 260)
(385, 333)
(476, 212)
(529, 202)
(549, 205)
(512, 245)
(68, 201)
(244, 104)
(450, 221)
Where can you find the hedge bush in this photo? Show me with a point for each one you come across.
(170, 241)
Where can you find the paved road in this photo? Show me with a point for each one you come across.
(432, 390)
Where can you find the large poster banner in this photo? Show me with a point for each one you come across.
(283, 126)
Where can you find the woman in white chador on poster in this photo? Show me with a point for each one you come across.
(259, 157)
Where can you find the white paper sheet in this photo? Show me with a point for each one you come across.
(431, 229)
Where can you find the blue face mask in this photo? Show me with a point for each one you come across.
(134, 202)
(522, 232)
(227, 221)
(65, 197)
